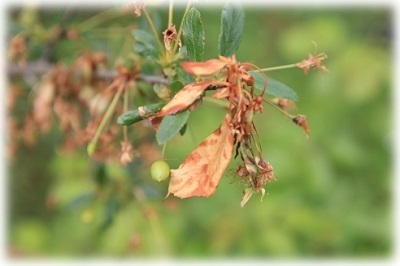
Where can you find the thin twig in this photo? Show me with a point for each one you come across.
(170, 14)
(276, 68)
(43, 67)
(181, 27)
(268, 101)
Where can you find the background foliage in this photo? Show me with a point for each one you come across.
(333, 197)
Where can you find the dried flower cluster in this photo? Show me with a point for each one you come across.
(78, 101)
(313, 61)
(170, 36)
(135, 6)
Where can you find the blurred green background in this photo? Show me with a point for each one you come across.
(333, 197)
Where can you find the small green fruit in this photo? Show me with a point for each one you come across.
(159, 170)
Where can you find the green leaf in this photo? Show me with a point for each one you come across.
(82, 200)
(170, 126)
(274, 87)
(133, 116)
(232, 25)
(183, 76)
(176, 86)
(182, 131)
(111, 208)
(145, 45)
(193, 35)
(100, 174)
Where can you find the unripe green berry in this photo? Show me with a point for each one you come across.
(159, 170)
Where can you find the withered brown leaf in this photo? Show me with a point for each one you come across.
(201, 171)
(184, 98)
(203, 68)
(42, 105)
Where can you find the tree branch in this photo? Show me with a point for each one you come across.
(43, 67)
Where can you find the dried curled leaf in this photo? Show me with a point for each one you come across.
(200, 173)
(184, 98)
(42, 106)
(203, 68)
(126, 153)
(247, 194)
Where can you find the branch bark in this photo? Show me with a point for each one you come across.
(42, 67)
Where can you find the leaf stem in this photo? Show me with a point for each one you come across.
(170, 14)
(181, 27)
(163, 150)
(126, 102)
(153, 29)
(98, 19)
(276, 68)
(277, 108)
(92, 145)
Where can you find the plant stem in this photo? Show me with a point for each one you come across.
(42, 67)
(153, 29)
(92, 145)
(170, 14)
(163, 150)
(277, 108)
(276, 68)
(181, 27)
(126, 102)
(98, 19)
(151, 215)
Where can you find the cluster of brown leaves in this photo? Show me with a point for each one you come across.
(17, 50)
(201, 171)
(77, 99)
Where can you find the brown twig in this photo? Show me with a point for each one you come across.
(42, 67)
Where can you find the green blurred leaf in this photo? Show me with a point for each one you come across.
(176, 86)
(111, 208)
(182, 131)
(133, 116)
(184, 76)
(193, 35)
(100, 174)
(145, 45)
(82, 200)
(274, 87)
(32, 235)
(171, 125)
(232, 25)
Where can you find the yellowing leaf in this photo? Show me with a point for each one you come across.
(203, 68)
(200, 173)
